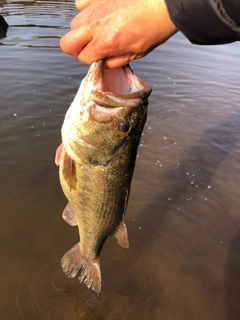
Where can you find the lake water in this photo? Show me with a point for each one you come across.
(183, 216)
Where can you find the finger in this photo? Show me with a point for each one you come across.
(121, 60)
(88, 56)
(85, 15)
(97, 49)
(117, 62)
(79, 19)
(74, 41)
(82, 4)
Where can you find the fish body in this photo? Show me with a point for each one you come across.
(100, 138)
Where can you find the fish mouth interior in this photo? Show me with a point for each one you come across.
(117, 92)
(120, 81)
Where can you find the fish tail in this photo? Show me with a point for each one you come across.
(75, 263)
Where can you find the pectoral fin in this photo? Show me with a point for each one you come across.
(69, 171)
(121, 235)
(58, 154)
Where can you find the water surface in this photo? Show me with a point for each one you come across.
(183, 216)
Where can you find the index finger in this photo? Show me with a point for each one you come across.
(82, 4)
(74, 41)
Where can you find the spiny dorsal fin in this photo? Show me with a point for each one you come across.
(69, 215)
(121, 235)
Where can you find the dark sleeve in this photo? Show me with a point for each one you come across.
(206, 21)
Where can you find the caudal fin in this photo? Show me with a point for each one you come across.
(88, 271)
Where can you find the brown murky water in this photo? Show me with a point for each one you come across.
(184, 211)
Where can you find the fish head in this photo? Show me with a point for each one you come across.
(109, 115)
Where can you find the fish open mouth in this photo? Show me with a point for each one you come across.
(104, 94)
(116, 84)
(120, 81)
(114, 89)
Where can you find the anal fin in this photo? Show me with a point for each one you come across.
(88, 271)
(121, 235)
(69, 215)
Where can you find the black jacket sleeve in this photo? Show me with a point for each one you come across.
(206, 21)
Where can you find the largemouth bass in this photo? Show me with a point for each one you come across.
(100, 137)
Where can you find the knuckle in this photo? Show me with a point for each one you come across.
(106, 44)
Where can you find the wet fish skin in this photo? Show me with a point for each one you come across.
(100, 135)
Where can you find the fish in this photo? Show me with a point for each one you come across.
(100, 137)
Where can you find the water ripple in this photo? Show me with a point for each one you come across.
(127, 283)
(38, 284)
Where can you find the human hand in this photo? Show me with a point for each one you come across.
(117, 30)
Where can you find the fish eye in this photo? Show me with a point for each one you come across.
(123, 125)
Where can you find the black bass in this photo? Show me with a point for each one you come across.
(100, 138)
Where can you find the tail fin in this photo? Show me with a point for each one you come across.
(74, 263)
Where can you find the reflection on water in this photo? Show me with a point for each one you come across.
(183, 216)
